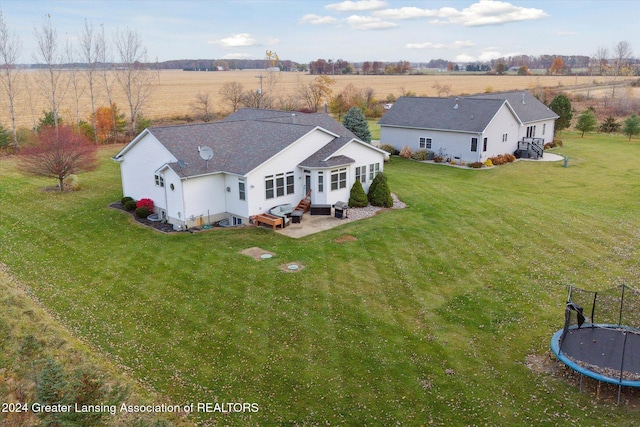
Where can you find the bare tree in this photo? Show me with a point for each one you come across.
(313, 93)
(201, 107)
(252, 99)
(60, 152)
(621, 55)
(89, 54)
(10, 49)
(441, 89)
(601, 60)
(103, 54)
(231, 93)
(132, 75)
(47, 54)
(271, 81)
(74, 81)
(289, 102)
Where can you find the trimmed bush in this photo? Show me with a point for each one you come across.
(143, 212)
(379, 194)
(405, 152)
(130, 205)
(502, 159)
(145, 203)
(419, 155)
(389, 148)
(358, 198)
(125, 200)
(475, 165)
(488, 163)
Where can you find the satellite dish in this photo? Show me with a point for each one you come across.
(206, 153)
(182, 164)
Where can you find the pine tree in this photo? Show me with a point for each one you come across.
(610, 125)
(379, 193)
(357, 197)
(586, 122)
(356, 122)
(562, 107)
(631, 126)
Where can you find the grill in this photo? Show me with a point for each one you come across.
(340, 210)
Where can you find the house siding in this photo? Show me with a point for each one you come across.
(138, 168)
(448, 144)
(364, 158)
(504, 122)
(204, 198)
(285, 161)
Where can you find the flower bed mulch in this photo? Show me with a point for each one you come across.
(158, 225)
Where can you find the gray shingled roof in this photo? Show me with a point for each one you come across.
(245, 140)
(526, 106)
(473, 113)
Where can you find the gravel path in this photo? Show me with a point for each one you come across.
(369, 211)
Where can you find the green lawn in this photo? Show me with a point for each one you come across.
(428, 317)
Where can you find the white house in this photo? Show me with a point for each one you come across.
(245, 165)
(470, 128)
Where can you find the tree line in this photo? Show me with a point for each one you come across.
(111, 64)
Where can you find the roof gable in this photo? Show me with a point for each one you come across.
(464, 114)
(447, 114)
(526, 106)
(241, 142)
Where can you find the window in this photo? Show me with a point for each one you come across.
(268, 183)
(236, 220)
(474, 144)
(159, 180)
(544, 128)
(504, 137)
(290, 183)
(531, 131)
(484, 145)
(241, 190)
(320, 182)
(279, 184)
(374, 169)
(361, 173)
(338, 179)
(425, 143)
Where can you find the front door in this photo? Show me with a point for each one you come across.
(307, 183)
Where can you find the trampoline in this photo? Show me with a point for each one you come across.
(601, 336)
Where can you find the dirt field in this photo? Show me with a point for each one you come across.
(174, 90)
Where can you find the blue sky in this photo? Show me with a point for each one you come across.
(354, 30)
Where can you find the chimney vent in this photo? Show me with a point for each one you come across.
(456, 106)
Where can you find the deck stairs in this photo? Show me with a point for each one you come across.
(305, 204)
(530, 148)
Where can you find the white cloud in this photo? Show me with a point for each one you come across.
(489, 12)
(369, 23)
(465, 58)
(484, 12)
(237, 56)
(272, 41)
(317, 19)
(406, 13)
(356, 6)
(493, 53)
(458, 44)
(236, 40)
